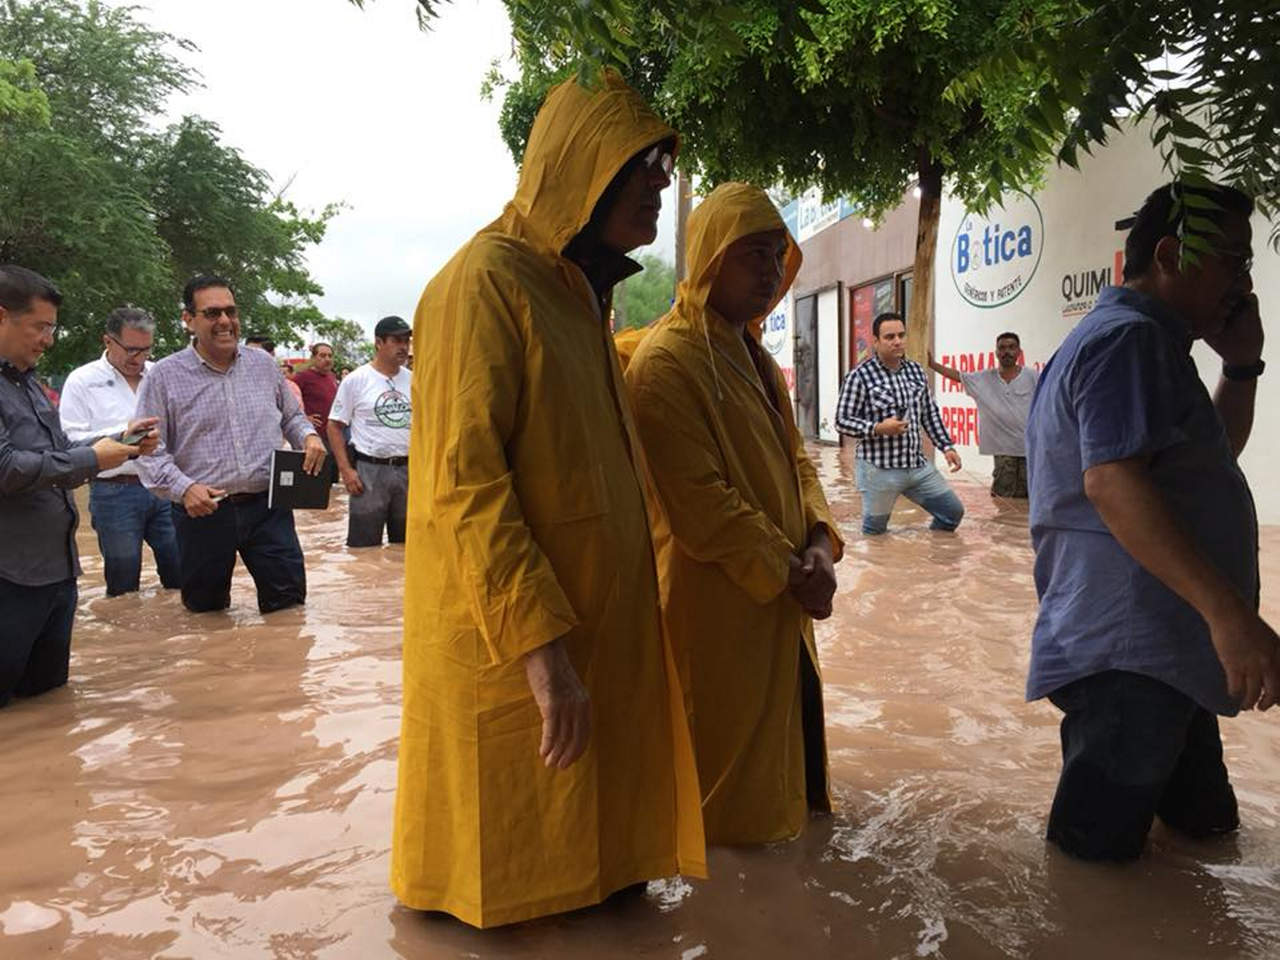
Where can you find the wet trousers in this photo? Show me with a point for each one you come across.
(1134, 748)
(924, 486)
(266, 541)
(124, 517)
(35, 637)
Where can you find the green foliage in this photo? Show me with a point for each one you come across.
(116, 213)
(648, 295)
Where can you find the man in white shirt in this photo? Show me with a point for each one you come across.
(1003, 397)
(373, 400)
(100, 398)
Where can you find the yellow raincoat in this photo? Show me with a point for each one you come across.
(526, 523)
(738, 497)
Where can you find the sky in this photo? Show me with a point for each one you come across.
(362, 107)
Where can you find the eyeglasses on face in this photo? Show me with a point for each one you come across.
(659, 158)
(212, 313)
(130, 352)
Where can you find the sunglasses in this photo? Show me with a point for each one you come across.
(658, 158)
(212, 313)
(131, 352)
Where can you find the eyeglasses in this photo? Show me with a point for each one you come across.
(130, 352)
(212, 313)
(659, 158)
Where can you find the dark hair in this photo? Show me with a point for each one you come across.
(202, 282)
(1155, 220)
(889, 315)
(19, 286)
(135, 317)
(268, 344)
(1010, 335)
(318, 344)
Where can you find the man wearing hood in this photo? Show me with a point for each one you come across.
(746, 543)
(545, 761)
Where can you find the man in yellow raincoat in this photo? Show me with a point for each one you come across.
(746, 541)
(545, 758)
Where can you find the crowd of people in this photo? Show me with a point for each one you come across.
(614, 558)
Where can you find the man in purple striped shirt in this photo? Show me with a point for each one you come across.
(223, 409)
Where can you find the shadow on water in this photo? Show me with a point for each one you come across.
(222, 785)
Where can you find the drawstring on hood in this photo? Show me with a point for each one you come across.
(730, 212)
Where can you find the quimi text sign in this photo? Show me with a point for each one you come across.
(993, 258)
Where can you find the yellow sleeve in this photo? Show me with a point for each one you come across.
(474, 381)
(709, 519)
(816, 509)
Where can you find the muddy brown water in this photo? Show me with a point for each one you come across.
(221, 786)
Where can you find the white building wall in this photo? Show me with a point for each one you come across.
(1041, 292)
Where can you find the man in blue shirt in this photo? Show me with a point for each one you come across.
(1146, 538)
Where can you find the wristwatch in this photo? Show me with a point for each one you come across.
(1244, 371)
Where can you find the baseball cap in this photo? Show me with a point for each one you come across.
(391, 327)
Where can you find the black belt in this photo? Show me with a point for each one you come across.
(385, 461)
(129, 478)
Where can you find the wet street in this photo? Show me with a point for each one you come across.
(221, 786)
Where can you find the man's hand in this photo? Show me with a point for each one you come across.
(1250, 654)
(891, 427)
(953, 459)
(317, 420)
(563, 702)
(112, 453)
(147, 445)
(351, 480)
(1239, 340)
(198, 500)
(812, 576)
(313, 455)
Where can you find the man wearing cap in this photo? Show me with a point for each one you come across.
(373, 401)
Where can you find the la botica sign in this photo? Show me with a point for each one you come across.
(773, 332)
(994, 257)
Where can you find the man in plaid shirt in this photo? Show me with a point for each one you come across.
(883, 403)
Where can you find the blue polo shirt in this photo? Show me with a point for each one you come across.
(1122, 385)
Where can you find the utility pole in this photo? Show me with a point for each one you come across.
(684, 203)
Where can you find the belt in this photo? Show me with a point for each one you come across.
(243, 497)
(385, 461)
(130, 478)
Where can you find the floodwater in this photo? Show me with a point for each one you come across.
(221, 786)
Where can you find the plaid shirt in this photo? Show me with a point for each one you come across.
(217, 428)
(871, 393)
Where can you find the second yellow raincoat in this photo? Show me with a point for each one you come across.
(739, 496)
(526, 523)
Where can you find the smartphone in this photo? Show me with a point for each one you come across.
(133, 439)
(219, 498)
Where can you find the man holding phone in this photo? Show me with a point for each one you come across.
(101, 398)
(223, 409)
(39, 466)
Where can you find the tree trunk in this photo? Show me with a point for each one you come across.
(684, 203)
(920, 315)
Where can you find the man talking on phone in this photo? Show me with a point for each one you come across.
(39, 466)
(1146, 538)
(223, 409)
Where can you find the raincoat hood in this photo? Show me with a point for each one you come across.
(581, 138)
(731, 211)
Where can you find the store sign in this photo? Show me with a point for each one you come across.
(993, 258)
(814, 215)
(775, 330)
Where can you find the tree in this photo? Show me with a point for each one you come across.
(116, 213)
(649, 295)
(866, 97)
(351, 345)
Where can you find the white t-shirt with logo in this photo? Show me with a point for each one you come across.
(376, 407)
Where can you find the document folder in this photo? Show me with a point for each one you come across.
(292, 487)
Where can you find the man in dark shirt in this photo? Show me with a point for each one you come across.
(318, 385)
(1146, 538)
(38, 468)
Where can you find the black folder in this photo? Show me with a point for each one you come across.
(292, 487)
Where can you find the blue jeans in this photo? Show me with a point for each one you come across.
(1134, 748)
(124, 515)
(35, 641)
(266, 541)
(923, 486)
